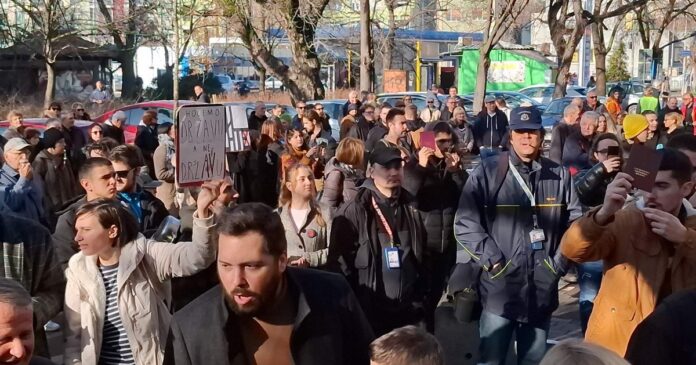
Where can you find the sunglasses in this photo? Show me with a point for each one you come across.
(96, 132)
(431, 102)
(592, 97)
(318, 109)
(123, 174)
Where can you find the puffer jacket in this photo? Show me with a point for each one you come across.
(310, 241)
(493, 223)
(340, 183)
(143, 294)
(591, 185)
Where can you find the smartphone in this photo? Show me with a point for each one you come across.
(613, 151)
(427, 139)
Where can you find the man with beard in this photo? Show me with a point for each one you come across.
(265, 312)
(365, 122)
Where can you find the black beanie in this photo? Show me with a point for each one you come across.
(51, 137)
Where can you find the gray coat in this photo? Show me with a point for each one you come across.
(310, 241)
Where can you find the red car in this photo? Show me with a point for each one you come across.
(40, 124)
(134, 113)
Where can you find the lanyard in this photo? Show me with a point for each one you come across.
(527, 191)
(384, 222)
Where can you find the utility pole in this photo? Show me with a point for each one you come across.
(175, 71)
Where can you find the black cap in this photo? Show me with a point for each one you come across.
(52, 136)
(384, 155)
(525, 117)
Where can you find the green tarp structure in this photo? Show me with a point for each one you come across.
(510, 70)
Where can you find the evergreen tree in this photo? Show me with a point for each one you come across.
(616, 71)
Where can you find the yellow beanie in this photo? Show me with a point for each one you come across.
(633, 124)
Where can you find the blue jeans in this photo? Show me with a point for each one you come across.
(589, 278)
(496, 334)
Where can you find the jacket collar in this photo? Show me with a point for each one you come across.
(517, 162)
(647, 241)
(10, 171)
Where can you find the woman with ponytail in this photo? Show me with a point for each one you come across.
(307, 223)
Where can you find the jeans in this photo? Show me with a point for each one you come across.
(496, 334)
(589, 278)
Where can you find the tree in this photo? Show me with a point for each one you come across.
(567, 22)
(617, 65)
(497, 24)
(299, 20)
(367, 66)
(600, 45)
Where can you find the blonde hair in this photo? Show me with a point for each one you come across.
(578, 352)
(351, 151)
(675, 116)
(286, 194)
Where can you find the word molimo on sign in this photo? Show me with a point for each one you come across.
(200, 144)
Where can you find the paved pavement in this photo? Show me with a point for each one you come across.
(565, 322)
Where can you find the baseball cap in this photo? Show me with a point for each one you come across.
(525, 117)
(633, 124)
(384, 155)
(16, 144)
(489, 99)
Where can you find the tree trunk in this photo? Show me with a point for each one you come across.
(128, 91)
(600, 54)
(50, 85)
(262, 79)
(482, 75)
(366, 50)
(389, 40)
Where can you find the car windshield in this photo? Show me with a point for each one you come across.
(556, 107)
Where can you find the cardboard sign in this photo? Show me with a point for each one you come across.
(200, 152)
(643, 164)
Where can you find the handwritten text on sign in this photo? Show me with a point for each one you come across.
(201, 140)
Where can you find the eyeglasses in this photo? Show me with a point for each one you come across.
(318, 109)
(123, 174)
(430, 102)
(56, 109)
(592, 97)
(80, 110)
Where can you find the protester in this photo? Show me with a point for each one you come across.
(432, 94)
(114, 127)
(448, 109)
(79, 112)
(591, 83)
(452, 93)
(379, 130)
(258, 116)
(164, 161)
(33, 136)
(264, 311)
(406, 345)
(436, 179)
(270, 148)
(648, 102)
(322, 117)
(53, 111)
(431, 113)
(318, 137)
(56, 173)
(352, 100)
(366, 121)
(146, 139)
(501, 104)
(148, 210)
(17, 344)
(101, 148)
(673, 127)
(307, 223)
(613, 105)
(519, 256)
(591, 184)
(75, 140)
(654, 131)
(639, 245)
(300, 106)
(377, 242)
(686, 144)
(96, 133)
(16, 125)
(561, 131)
(348, 121)
(688, 110)
(413, 122)
(397, 132)
(21, 190)
(371, 98)
(99, 95)
(577, 145)
(671, 107)
(666, 335)
(464, 132)
(296, 151)
(490, 129)
(592, 102)
(96, 176)
(635, 131)
(344, 173)
(200, 95)
(111, 325)
(578, 352)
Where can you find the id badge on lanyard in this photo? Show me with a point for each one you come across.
(536, 235)
(392, 255)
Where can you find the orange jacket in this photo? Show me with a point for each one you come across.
(613, 107)
(634, 268)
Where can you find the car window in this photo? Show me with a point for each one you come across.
(547, 92)
(135, 116)
(637, 89)
(556, 107)
(164, 116)
(580, 90)
(532, 93)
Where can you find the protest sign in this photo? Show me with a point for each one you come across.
(238, 138)
(201, 139)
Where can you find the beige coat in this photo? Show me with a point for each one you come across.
(310, 241)
(430, 115)
(165, 174)
(143, 294)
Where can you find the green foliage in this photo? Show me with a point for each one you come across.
(165, 86)
(616, 70)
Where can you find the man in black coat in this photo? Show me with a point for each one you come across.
(146, 139)
(366, 121)
(201, 96)
(114, 127)
(490, 128)
(265, 312)
(257, 118)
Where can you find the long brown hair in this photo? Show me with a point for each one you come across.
(286, 194)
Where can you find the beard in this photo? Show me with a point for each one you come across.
(259, 304)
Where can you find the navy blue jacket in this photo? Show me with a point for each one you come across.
(493, 223)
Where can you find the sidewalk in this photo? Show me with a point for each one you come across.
(565, 322)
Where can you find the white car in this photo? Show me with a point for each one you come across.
(543, 94)
(272, 83)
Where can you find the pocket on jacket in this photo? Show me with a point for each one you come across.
(501, 274)
(546, 277)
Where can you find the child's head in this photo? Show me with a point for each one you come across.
(408, 345)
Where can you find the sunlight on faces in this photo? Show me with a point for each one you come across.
(588, 126)
(642, 137)
(101, 182)
(124, 183)
(16, 121)
(301, 183)
(652, 122)
(398, 126)
(526, 142)
(602, 124)
(250, 276)
(15, 158)
(96, 133)
(667, 194)
(16, 334)
(383, 113)
(308, 125)
(92, 238)
(369, 114)
(296, 140)
(442, 140)
(389, 176)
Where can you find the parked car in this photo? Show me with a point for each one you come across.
(134, 114)
(334, 109)
(226, 83)
(552, 115)
(543, 94)
(272, 83)
(514, 99)
(40, 124)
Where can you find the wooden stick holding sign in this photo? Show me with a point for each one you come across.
(200, 150)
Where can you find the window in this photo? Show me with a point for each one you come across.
(164, 116)
(135, 116)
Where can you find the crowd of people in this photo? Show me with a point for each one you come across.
(322, 251)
